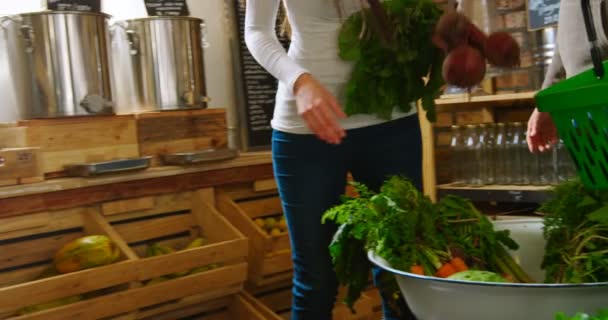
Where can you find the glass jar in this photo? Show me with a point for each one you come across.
(470, 171)
(490, 155)
(500, 145)
(458, 156)
(480, 155)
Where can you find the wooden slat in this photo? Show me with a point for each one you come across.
(278, 300)
(264, 311)
(140, 186)
(58, 220)
(122, 272)
(94, 223)
(280, 242)
(183, 309)
(82, 139)
(171, 202)
(264, 185)
(277, 262)
(31, 221)
(262, 207)
(128, 205)
(154, 228)
(21, 275)
(243, 191)
(215, 226)
(125, 301)
(32, 251)
(171, 132)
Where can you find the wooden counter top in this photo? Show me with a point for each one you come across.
(71, 192)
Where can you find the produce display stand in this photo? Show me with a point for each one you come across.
(463, 110)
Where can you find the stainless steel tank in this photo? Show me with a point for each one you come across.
(59, 63)
(167, 59)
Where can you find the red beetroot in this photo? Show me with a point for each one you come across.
(502, 50)
(464, 67)
(451, 31)
(455, 29)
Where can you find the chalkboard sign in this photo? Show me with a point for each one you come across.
(74, 5)
(542, 13)
(259, 89)
(167, 8)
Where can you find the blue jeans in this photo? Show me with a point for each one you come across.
(311, 176)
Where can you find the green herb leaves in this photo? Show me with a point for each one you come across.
(389, 76)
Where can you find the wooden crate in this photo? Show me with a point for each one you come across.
(66, 141)
(20, 166)
(270, 256)
(174, 220)
(278, 298)
(27, 247)
(166, 132)
(241, 306)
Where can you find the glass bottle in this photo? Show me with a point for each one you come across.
(509, 156)
(566, 169)
(546, 167)
(480, 155)
(519, 154)
(458, 149)
(490, 153)
(500, 150)
(471, 140)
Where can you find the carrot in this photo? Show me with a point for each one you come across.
(459, 264)
(446, 270)
(417, 269)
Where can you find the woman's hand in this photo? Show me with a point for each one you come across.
(319, 109)
(541, 131)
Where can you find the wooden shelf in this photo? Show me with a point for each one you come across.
(467, 101)
(499, 193)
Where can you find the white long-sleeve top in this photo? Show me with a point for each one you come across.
(314, 49)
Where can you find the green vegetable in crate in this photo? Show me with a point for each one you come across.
(157, 249)
(86, 252)
(49, 305)
(198, 242)
(477, 275)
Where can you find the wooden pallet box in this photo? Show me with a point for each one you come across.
(215, 269)
(160, 133)
(278, 298)
(270, 255)
(67, 141)
(241, 306)
(27, 248)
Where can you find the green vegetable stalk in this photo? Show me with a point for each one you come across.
(392, 70)
(405, 228)
(576, 229)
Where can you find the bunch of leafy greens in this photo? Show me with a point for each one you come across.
(391, 74)
(405, 228)
(576, 229)
(602, 315)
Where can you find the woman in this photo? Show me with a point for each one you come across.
(315, 144)
(572, 56)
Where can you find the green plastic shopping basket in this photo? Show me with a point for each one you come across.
(579, 108)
